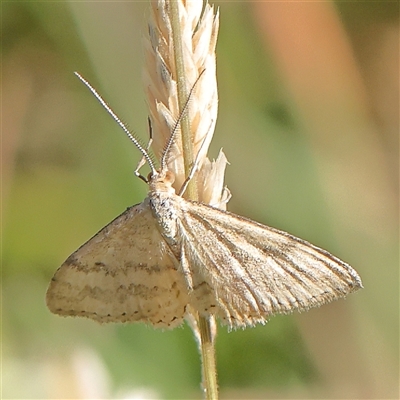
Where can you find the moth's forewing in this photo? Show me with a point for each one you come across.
(255, 271)
(124, 273)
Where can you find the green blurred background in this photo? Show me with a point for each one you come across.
(308, 119)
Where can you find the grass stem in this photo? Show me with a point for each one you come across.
(207, 349)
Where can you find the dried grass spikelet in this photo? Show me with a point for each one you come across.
(199, 35)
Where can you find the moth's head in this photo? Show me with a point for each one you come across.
(161, 181)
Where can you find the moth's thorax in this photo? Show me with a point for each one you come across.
(164, 204)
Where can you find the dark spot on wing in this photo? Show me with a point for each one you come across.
(100, 264)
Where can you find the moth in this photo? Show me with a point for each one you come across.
(168, 256)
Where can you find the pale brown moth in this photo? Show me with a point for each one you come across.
(167, 256)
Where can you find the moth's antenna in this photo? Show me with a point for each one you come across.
(120, 123)
(171, 139)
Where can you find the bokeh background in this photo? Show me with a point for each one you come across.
(309, 120)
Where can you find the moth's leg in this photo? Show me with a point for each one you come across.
(142, 161)
(192, 170)
(185, 268)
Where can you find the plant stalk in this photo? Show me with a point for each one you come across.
(209, 369)
(207, 348)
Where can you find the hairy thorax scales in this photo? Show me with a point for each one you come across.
(165, 206)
